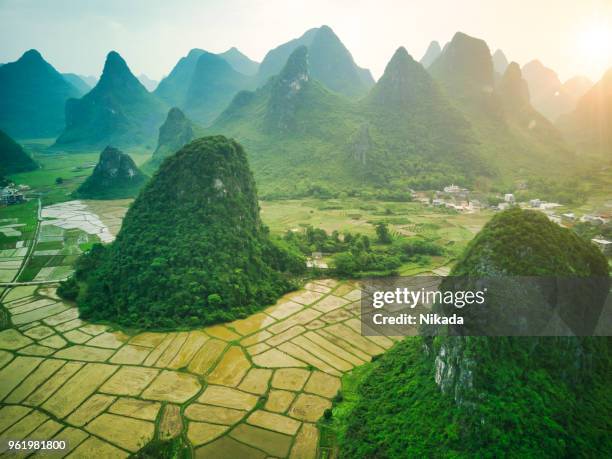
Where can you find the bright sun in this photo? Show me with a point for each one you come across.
(595, 43)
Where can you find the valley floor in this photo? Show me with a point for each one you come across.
(253, 387)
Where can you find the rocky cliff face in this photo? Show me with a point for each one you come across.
(518, 243)
(286, 91)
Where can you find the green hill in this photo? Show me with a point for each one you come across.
(330, 62)
(12, 157)
(515, 146)
(589, 126)
(33, 96)
(493, 396)
(192, 249)
(118, 111)
(115, 176)
(176, 132)
(404, 133)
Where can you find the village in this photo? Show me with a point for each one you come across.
(13, 194)
(460, 199)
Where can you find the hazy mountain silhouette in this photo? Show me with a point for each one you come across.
(32, 97)
(118, 111)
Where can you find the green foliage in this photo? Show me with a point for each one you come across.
(382, 233)
(495, 396)
(293, 123)
(355, 256)
(565, 191)
(525, 243)
(588, 230)
(192, 249)
(114, 177)
(12, 157)
(176, 448)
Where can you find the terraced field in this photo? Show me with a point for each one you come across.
(249, 388)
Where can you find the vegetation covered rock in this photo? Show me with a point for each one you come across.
(176, 132)
(115, 176)
(117, 111)
(192, 249)
(493, 396)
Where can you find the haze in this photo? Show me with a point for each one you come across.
(74, 35)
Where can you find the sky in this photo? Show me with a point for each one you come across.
(570, 36)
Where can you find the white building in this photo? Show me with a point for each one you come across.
(604, 245)
(535, 203)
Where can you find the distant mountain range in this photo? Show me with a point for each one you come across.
(33, 96)
(432, 53)
(461, 114)
(330, 62)
(549, 96)
(403, 132)
(589, 125)
(515, 139)
(118, 111)
(240, 62)
(147, 82)
(500, 62)
(78, 82)
(202, 84)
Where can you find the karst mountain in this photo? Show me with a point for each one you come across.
(117, 111)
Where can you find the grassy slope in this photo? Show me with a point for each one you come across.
(528, 399)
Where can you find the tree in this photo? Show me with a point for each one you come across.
(383, 234)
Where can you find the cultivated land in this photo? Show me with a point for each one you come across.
(256, 385)
(253, 387)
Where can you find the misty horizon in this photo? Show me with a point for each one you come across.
(152, 38)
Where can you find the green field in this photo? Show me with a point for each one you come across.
(72, 167)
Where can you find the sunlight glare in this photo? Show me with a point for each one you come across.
(595, 43)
